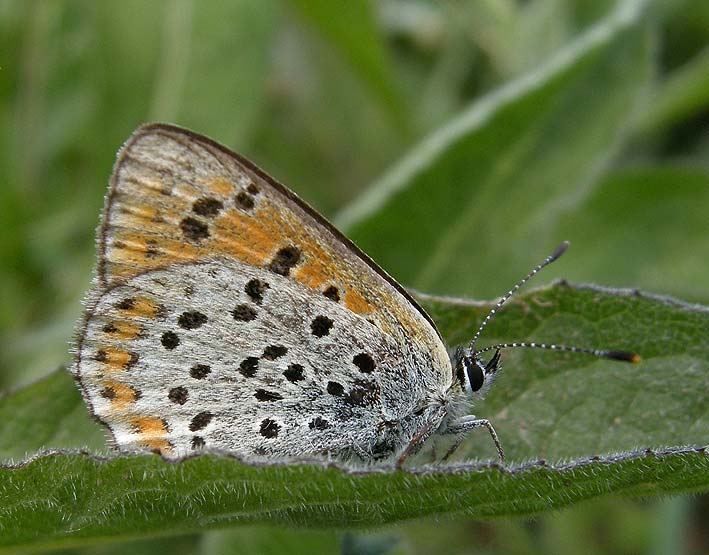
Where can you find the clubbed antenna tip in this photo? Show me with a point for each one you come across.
(561, 249)
(625, 356)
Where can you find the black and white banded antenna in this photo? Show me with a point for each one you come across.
(626, 356)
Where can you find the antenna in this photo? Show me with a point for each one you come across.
(561, 249)
(626, 356)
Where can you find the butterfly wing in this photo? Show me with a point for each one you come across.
(182, 208)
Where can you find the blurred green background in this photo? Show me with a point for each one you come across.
(327, 97)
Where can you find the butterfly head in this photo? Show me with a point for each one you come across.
(473, 373)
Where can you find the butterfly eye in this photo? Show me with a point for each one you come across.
(476, 374)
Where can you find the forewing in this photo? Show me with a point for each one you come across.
(176, 197)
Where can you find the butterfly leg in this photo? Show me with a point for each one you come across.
(464, 425)
(453, 448)
(415, 441)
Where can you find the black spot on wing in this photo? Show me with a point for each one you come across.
(200, 421)
(169, 340)
(272, 352)
(200, 371)
(248, 367)
(191, 320)
(126, 304)
(285, 259)
(178, 395)
(193, 229)
(244, 200)
(256, 288)
(318, 423)
(207, 207)
(364, 362)
(244, 313)
(321, 326)
(269, 428)
(332, 293)
(108, 393)
(294, 373)
(264, 395)
(334, 388)
(363, 393)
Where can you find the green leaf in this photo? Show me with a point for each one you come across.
(269, 541)
(350, 28)
(566, 408)
(685, 93)
(50, 412)
(70, 499)
(227, 44)
(641, 226)
(481, 193)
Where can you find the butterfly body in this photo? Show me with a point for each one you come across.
(227, 314)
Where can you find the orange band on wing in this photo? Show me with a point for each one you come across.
(122, 330)
(139, 307)
(119, 394)
(115, 360)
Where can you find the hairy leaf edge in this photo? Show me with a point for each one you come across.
(427, 470)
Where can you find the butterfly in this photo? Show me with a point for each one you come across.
(226, 314)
